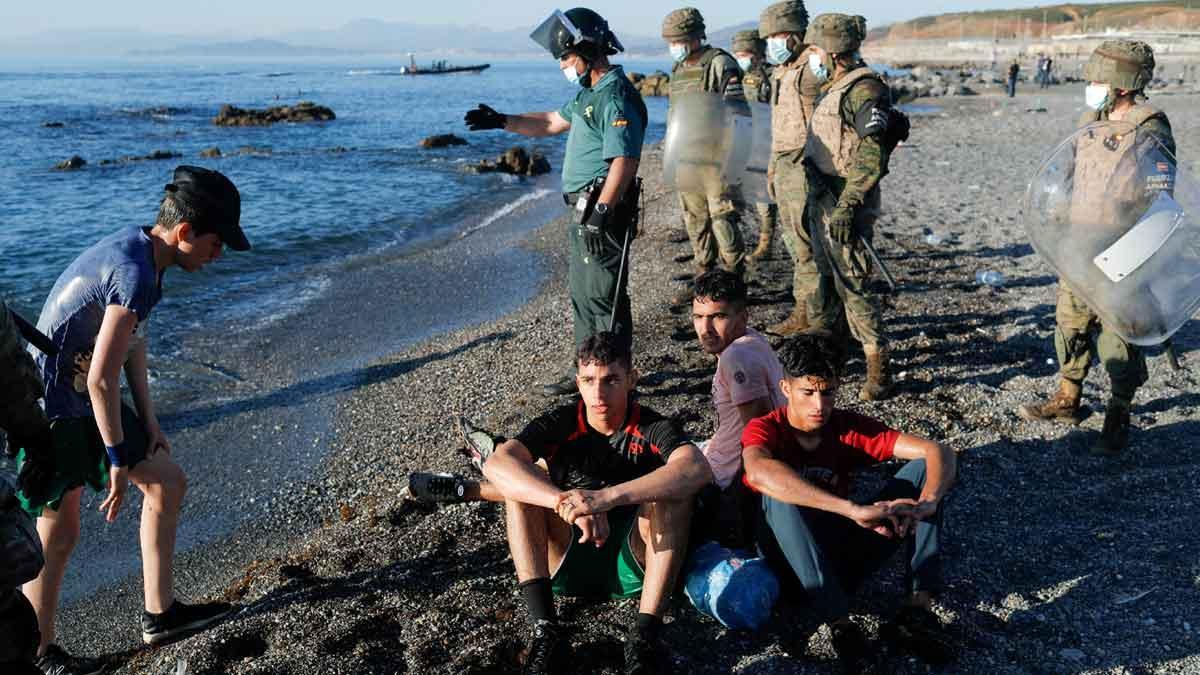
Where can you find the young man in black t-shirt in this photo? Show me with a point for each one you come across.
(610, 517)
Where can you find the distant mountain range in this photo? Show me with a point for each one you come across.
(1059, 19)
(360, 37)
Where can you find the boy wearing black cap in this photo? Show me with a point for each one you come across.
(96, 316)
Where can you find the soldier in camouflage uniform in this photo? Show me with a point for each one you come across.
(23, 420)
(1118, 72)
(712, 220)
(748, 49)
(846, 156)
(794, 90)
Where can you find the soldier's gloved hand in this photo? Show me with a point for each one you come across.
(841, 225)
(484, 118)
(592, 232)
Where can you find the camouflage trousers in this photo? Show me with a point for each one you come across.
(1079, 335)
(845, 272)
(791, 193)
(768, 217)
(712, 223)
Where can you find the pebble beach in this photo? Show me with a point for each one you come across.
(1055, 561)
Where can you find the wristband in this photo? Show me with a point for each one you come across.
(116, 454)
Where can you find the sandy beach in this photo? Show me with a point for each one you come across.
(1056, 562)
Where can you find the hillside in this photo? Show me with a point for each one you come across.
(1061, 19)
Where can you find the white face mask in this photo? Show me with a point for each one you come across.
(745, 62)
(817, 66)
(679, 52)
(573, 76)
(777, 50)
(1095, 96)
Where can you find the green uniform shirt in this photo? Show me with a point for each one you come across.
(607, 121)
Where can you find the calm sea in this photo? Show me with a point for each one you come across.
(311, 193)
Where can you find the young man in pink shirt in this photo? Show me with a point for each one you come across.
(745, 386)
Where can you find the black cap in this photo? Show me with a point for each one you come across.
(216, 201)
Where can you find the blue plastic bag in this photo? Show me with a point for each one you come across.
(730, 586)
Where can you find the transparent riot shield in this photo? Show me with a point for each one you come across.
(708, 143)
(1120, 223)
(754, 180)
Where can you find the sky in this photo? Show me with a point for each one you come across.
(237, 19)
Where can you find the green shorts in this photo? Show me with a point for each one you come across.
(80, 458)
(611, 570)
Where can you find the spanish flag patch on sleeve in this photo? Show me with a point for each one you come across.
(620, 122)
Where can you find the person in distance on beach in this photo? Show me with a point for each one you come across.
(610, 517)
(744, 386)
(712, 220)
(96, 315)
(748, 48)
(606, 122)
(853, 131)
(1117, 72)
(801, 458)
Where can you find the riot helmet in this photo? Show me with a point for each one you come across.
(577, 30)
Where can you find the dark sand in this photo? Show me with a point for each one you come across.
(1048, 548)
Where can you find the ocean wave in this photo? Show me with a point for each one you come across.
(284, 74)
(506, 210)
(356, 73)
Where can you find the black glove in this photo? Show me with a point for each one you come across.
(841, 225)
(484, 118)
(592, 231)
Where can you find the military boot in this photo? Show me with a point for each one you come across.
(1115, 435)
(764, 245)
(1062, 407)
(685, 294)
(796, 322)
(879, 379)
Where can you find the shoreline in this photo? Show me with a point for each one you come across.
(383, 586)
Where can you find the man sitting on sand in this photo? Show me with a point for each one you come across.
(96, 316)
(610, 517)
(745, 385)
(801, 458)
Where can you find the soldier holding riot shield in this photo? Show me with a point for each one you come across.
(1121, 163)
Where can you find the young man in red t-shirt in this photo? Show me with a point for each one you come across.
(801, 458)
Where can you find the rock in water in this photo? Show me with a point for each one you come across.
(75, 162)
(305, 111)
(655, 84)
(442, 141)
(211, 152)
(515, 161)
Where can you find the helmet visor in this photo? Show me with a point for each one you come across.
(557, 34)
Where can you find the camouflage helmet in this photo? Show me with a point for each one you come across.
(1121, 64)
(686, 23)
(783, 17)
(837, 33)
(747, 41)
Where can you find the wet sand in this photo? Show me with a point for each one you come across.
(1047, 551)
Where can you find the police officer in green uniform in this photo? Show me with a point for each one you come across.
(712, 220)
(847, 155)
(748, 49)
(23, 420)
(794, 90)
(1117, 72)
(606, 121)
